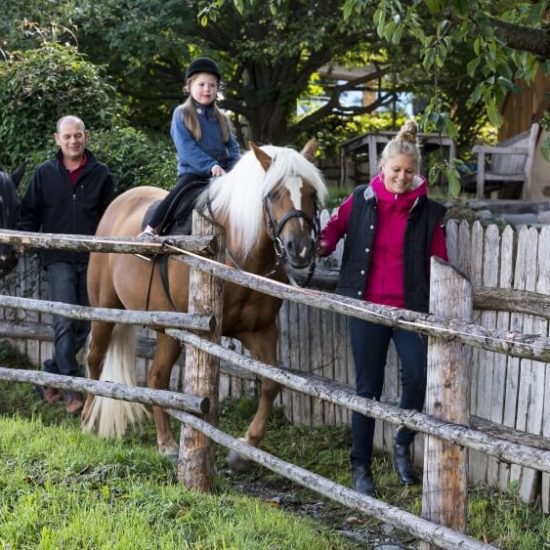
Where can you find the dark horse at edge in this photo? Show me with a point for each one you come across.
(9, 215)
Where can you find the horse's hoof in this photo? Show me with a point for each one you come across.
(238, 464)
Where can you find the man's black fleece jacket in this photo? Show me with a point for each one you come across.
(52, 204)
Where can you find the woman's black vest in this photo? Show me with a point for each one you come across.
(423, 219)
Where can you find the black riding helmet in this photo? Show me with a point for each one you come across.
(202, 65)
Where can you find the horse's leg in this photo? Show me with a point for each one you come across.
(158, 377)
(100, 338)
(262, 346)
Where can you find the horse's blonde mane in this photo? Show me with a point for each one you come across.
(238, 196)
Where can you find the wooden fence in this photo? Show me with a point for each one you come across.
(506, 392)
(519, 347)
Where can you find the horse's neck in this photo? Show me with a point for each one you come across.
(261, 260)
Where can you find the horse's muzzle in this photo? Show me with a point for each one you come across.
(300, 252)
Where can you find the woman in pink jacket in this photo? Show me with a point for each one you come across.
(392, 229)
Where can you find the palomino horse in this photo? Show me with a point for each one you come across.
(9, 214)
(268, 205)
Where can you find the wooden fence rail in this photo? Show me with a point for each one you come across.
(153, 319)
(515, 344)
(206, 245)
(502, 446)
(147, 396)
(511, 343)
(439, 535)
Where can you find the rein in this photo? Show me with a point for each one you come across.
(234, 260)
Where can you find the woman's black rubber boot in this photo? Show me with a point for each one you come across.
(403, 465)
(362, 480)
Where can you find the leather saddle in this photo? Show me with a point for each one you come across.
(178, 216)
(178, 221)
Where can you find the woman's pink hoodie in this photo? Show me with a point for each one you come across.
(385, 284)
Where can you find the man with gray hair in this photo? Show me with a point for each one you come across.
(67, 194)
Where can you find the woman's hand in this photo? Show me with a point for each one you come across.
(322, 249)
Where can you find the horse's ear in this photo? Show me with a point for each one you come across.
(263, 158)
(309, 149)
(17, 176)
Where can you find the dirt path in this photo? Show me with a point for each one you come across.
(284, 494)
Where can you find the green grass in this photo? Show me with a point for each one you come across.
(60, 488)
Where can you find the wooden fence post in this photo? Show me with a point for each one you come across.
(445, 484)
(201, 376)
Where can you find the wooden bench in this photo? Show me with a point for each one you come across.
(506, 164)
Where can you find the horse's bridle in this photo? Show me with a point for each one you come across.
(275, 229)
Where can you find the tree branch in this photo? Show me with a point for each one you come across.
(333, 106)
(527, 39)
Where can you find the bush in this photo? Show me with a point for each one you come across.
(39, 86)
(134, 158)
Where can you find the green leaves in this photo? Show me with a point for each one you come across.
(39, 86)
(493, 113)
(389, 22)
(449, 172)
(472, 66)
(435, 6)
(135, 158)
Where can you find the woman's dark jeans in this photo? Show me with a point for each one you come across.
(369, 343)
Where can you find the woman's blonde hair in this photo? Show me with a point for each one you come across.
(404, 143)
(191, 119)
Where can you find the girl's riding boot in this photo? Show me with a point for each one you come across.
(148, 234)
(403, 464)
(362, 480)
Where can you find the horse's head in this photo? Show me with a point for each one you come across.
(294, 193)
(9, 214)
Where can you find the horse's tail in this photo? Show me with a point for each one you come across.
(107, 417)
